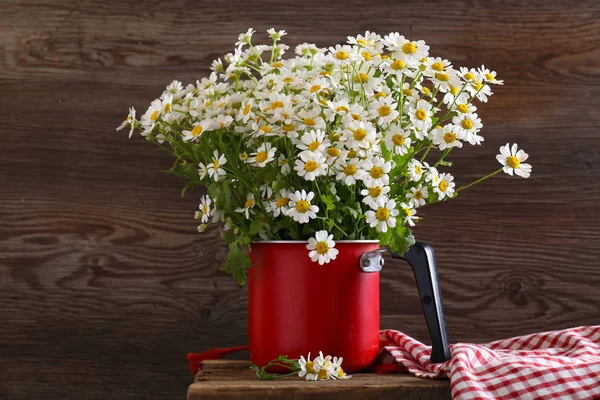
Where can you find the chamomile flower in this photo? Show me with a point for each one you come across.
(202, 171)
(397, 140)
(376, 171)
(314, 141)
(276, 35)
(322, 248)
(151, 115)
(222, 121)
(448, 137)
(198, 128)
(406, 50)
(420, 115)
(415, 170)
(245, 38)
(512, 160)
(374, 195)
(417, 195)
(130, 120)
(300, 208)
(307, 369)
(284, 164)
(248, 205)
(409, 214)
(343, 54)
(281, 203)
(215, 170)
(469, 125)
(310, 165)
(336, 369)
(489, 76)
(348, 170)
(384, 215)
(360, 135)
(264, 155)
(246, 113)
(323, 366)
(384, 110)
(445, 186)
(205, 210)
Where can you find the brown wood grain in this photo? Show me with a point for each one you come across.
(105, 284)
(234, 380)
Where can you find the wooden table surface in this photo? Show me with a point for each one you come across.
(225, 379)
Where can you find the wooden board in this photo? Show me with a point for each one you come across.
(234, 380)
(105, 284)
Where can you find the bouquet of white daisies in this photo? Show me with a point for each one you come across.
(343, 143)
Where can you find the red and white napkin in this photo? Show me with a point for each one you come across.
(551, 365)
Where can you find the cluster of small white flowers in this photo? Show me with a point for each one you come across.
(321, 368)
(363, 115)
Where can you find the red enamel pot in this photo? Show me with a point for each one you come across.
(296, 306)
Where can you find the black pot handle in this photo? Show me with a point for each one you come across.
(421, 258)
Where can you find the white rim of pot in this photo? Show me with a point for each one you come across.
(306, 241)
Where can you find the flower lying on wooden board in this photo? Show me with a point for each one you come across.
(318, 369)
(345, 142)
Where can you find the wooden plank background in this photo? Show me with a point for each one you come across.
(105, 284)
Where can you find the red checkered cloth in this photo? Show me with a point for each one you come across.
(550, 365)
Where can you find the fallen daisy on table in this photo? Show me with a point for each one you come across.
(318, 369)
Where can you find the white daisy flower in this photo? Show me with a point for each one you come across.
(432, 176)
(384, 216)
(376, 171)
(264, 155)
(445, 187)
(202, 171)
(322, 248)
(410, 212)
(337, 371)
(323, 367)
(512, 160)
(284, 164)
(349, 170)
(300, 208)
(415, 170)
(205, 210)
(454, 95)
(217, 215)
(360, 135)
(375, 194)
(314, 141)
(198, 128)
(281, 203)
(151, 115)
(266, 191)
(222, 121)
(248, 205)
(489, 76)
(245, 38)
(311, 165)
(384, 110)
(397, 140)
(343, 54)
(420, 115)
(307, 368)
(469, 125)
(417, 196)
(405, 50)
(448, 137)
(214, 169)
(276, 35)
(245, 112)
(465, 108)
(130, 120)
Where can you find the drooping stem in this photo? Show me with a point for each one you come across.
(479, 180)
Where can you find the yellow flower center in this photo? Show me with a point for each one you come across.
(249, 203)
(449, 137)
(351, 153)
(282, 202)
(463, 108)
(265, 129)
(340, 373)
(288, 79)
(302, 206)
(366, 55)
(442, 76)
(359, 134)
(322, 248)
(426, 90)
(513, 162)
(421, 115)
(409, 48)
(309, 121)
(310, 367)
(382, 214)
(398, 139)
(418, 195)
(437, 66)
(216, 164)
(489, 77)
(276, 105)
(283, 162)
(380, 94)
(278, 64)
(361, 78)
(418, 170)
(314, 146)
(342, 108)
(466, 123)
(469, 76)
(261, 156)
(407, 211)
(167, 108)
(205, 208)
(310, 166)
(322, 374)
(356, 117)
(361, 42)
(341, 55)
(398, 64)
(333, 151)
(247, 109)
(376, 172)
(154, 116)
(454, 90)
(478, 85)
(349, 169)
(315, 88)
(384, 111)
(406, 92)
(196, 131)
(375, 191)
(443, 186)
(288, 127)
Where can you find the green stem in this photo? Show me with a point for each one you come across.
(479, 180)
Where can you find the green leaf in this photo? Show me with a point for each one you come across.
(401, 239)
(329, 202)
(256, 226)
(237, 260)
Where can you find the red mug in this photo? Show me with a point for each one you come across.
(297, 307)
